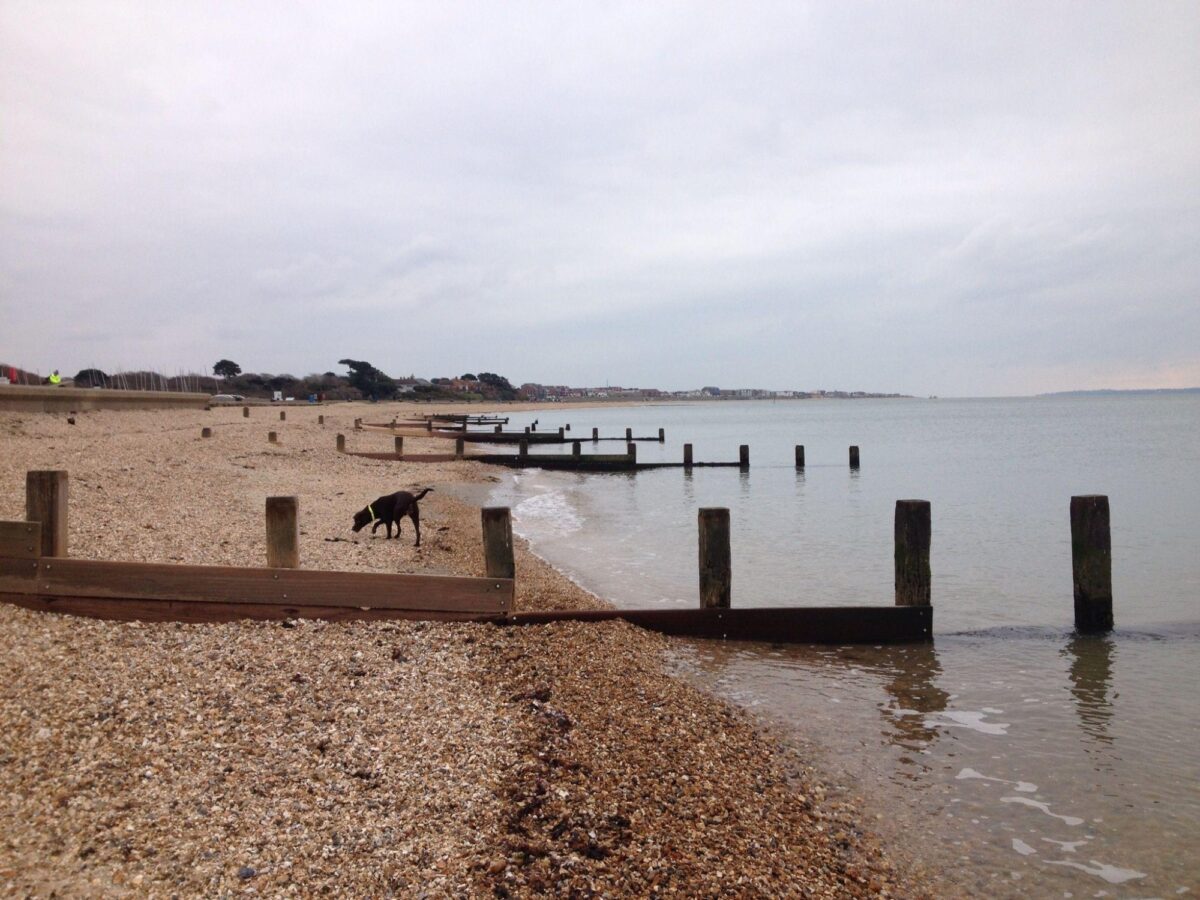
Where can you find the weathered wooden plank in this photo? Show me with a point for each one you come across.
(793, 624)
(46, 495)
(126, 610)
(231, 584)
(21, 540)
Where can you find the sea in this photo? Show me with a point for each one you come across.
(1009, 756)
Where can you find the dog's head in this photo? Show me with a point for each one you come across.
(362, 519)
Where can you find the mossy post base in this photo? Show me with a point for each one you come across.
(716, 570)
(912, 553)
(1091, 562)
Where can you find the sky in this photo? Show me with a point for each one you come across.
(961, 199)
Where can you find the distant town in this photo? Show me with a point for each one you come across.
(553, 392)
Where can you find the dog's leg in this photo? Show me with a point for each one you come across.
(375, 527)
(415, 514)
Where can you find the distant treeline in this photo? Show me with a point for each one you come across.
(364, 382)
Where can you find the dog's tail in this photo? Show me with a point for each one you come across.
(417, 497)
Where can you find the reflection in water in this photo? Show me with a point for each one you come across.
(911, 683)
(1091, 677)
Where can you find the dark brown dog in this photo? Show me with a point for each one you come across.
(391, 509)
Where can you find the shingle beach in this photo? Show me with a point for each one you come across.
(376, 759)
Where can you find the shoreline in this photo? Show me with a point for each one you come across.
(366, 757)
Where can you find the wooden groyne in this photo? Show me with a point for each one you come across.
(36, 572)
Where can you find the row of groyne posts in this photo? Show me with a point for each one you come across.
(46, 503)
(524, 457)
(1091, 559)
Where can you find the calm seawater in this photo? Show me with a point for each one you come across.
(1010, 755)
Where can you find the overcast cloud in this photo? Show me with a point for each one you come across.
(957, 198)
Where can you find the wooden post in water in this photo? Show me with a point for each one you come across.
(854, 456)
(46, 502)
(744, 457)
(628, 434)
(1091, 562)
(523, 448)
(283, 533)
(497, 542)
(283, 415)
(595, 434)
(687, 456)
(459, 443)
(576, 448)
(399, 445)
(716, 571)
(912, 535)
(341, 443)
(631, 450)
(245, 412)
(799, 456)
(272, 437)
(662, 436)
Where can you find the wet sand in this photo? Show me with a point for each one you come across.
(384, 758)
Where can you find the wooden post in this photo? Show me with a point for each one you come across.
(205, 432)
(1091, 562)
(283, 533)
(628, 434)
(498, 429)
(912, 534)
(429, 424)
(399, 445)
(497, 542)
(854, 457)
(662, 436)
(631, 450)
(568, 426)
(341, 443)
(744, 457)
(716, 571)
(320, 420)
(283, 415)
(687, 456)
(272, 437)
(595, 434)
(46, 502)
(459, 443)
(799, 456)
(527, 429)
(523, 448)
(576, 448)
(245, 412)
(562, 433)
(358, 424)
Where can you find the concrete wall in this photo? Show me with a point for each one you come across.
(29, 398)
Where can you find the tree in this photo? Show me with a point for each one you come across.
(498, 385)
(91, 378)
(469, 377)
(368, 379)
(227, 368)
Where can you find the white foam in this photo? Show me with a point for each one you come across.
(1021, 847)
(1066, 846)
(553, 509)
(967, 719)
(1044, 807)
(1022, 787)
(1111, 874)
